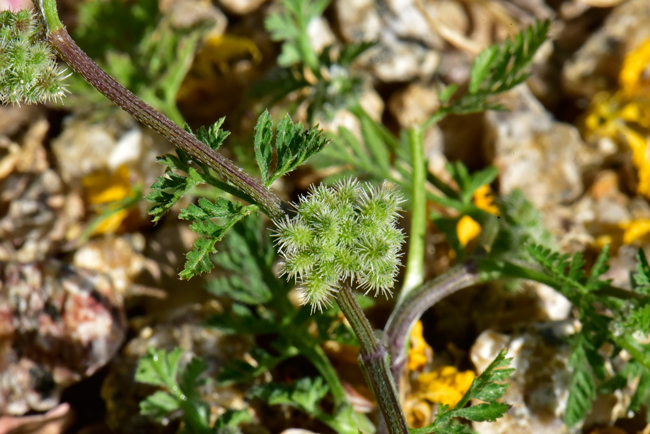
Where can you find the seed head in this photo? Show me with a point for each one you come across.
(28, 70)
(342, 233)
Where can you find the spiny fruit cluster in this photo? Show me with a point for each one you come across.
(28, 70)
(339, 233)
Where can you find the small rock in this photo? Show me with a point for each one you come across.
(118, 257)
(241, 7)
(414, 104)
(59, 325)
(320, 34)
(535, 153)
(596, 65)
(404, 42)
(538, 389)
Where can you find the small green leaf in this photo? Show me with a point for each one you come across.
(293, 145)
(159, 368)
(445, 93)
(198, 260)
(158, 405)
(305, 394)
(214, 136)
(263, 145)
(582, 389)
(233, 418)
(641, 279)
(171, 187)
(499, 68)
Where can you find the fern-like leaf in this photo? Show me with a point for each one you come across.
(198, 260)
(499, 68)
(293, 146)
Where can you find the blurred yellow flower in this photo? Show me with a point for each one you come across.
(634, 77)
(101, 188)
(419, 350)
(443, 385)
(484, 199)
(467, 229)
(216, 56)
(625, 116)
(634, 230)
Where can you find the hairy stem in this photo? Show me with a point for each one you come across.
(123, 98)
(409, 310)
(415, 258)
(373, 359)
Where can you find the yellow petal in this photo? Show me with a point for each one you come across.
(635, 230)
(633, 77)
(640, 159)
(484, 199)
(444, 385)
(111, 223)
(467, 229)
(101, 187)
(419, 349)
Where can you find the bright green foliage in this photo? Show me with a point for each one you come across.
(289, 25)
(28, 70)
(202, 216)
(624, 319)
(213, 136)
(497, 69)
(180, 392)
(293, 146)
(305, 394)
(346, 232)
(245, 282)
(210, 220)
(171, 187)
(488, 387)
(285, 327)
(138, 47)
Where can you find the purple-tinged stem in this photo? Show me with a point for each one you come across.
(374, 363)
(122, 97)
(409, 310)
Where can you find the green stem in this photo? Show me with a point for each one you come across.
(374, 363)
(50, 14)
(127, 101)
(415, 259)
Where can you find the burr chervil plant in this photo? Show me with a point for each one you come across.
(344, 237)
